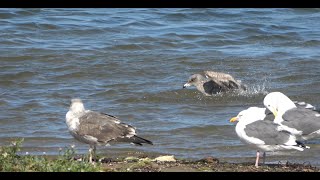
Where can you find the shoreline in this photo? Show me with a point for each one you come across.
(13, 160)
(208, 164)
(146, 163)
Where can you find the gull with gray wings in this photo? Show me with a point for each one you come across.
(299, 118)
(211, 82)
(95, 128)
(256, 129)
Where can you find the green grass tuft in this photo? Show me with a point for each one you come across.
(10, 161)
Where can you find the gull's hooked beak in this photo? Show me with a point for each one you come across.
(186, 85)
(234, 119)
(274, 112)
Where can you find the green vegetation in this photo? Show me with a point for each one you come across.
(13, 161)
(10, 161)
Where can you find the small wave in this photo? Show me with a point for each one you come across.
(72, 75)
(272, 38)
(128, 47)
(222, 130)
(142, 24)
(18, 76)
(27, 12)
(7, 15)
(175, 16)
(6, 83)
(311, 43)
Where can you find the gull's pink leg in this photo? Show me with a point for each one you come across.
(257, 159)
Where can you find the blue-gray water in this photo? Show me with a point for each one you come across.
(132, 63)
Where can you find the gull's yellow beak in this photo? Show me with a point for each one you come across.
(234, 119)
(275, 112)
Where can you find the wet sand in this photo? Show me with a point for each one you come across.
(208, 164)
(199, 166)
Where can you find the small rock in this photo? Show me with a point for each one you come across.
(106, 160)
(165, 159)
(143, 156)
(155, 166)
(209, 160)
(145, 159)
(131, 159)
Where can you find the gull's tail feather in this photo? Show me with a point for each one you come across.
(300, 144)
(136, 140)
(139, 140)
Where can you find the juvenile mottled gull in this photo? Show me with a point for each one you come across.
(95, 128)
(255, 128)
(214, 82)
(300, 119)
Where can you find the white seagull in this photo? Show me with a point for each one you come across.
(95, 128)
(300, 119)
(255, 128)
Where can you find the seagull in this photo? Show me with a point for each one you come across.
(299, 118)
(214, 82)
(95, 128)
(255, 128)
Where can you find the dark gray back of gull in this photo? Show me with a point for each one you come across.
(224, 80)
(107, 129)
(302, 119)
(267, 132)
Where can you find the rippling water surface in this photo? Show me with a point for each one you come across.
(132, 63)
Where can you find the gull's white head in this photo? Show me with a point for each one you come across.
(250, 115)
(76, 106)
(278, 103)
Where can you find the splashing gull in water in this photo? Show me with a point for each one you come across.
(255, 128)
(214, 82)
(95, 128)
(300, 118)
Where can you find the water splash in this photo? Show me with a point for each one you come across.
(259, 88)
(254, 90)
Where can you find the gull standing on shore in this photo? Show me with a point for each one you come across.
(255, 128)
(95, 128)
